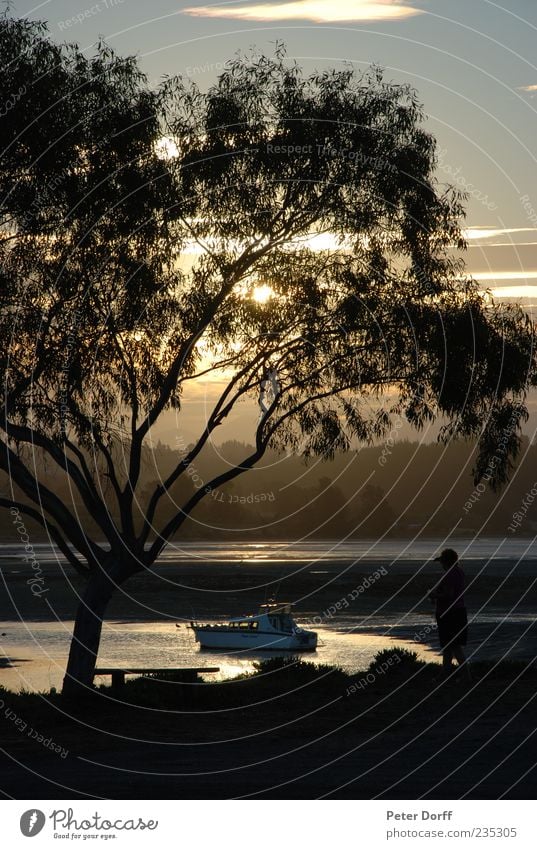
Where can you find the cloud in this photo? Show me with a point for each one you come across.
(473, 233)
(504, 275)
(319, 11)
(516, 292)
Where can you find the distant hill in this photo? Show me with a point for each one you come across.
(384, 489)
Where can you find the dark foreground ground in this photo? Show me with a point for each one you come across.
(293, 731)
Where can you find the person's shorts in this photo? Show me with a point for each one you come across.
(453, 628)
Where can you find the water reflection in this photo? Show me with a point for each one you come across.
(44, 646)
(33, 655)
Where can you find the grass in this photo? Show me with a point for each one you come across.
(290, 679)
(285, 706)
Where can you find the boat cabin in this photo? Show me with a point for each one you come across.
(272, 628)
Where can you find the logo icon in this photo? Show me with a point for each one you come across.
(32, 822)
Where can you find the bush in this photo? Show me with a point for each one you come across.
(396, 660)
(293, 665)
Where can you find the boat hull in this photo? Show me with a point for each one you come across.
(248, 640)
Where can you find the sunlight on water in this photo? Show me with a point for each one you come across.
(34, 654)
(38, 651)
(393, 549)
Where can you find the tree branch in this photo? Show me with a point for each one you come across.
(239, 268)
(90, 426)
(39, 358)
(51, 530)
(175, 523)
(90, 496)
(217, 415)
(40, 494)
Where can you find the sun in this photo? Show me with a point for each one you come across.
(166, 148)
(262, 294)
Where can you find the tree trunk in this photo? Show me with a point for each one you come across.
(78, 680)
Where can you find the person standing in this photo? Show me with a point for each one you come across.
(451, 615)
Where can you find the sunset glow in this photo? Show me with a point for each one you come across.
(262, 294)
(310, 10)
(167, 148)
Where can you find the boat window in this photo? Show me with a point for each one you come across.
(243, 626)
(253, 625)
(282, 622)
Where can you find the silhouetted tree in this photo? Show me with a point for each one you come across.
(181, 237)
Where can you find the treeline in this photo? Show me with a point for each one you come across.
(373, 491)
(395, 490)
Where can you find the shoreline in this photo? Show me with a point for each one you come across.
(35, 655)
(352, 601)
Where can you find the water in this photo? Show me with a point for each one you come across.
(354, 550)
(393, 550)
(37, 651)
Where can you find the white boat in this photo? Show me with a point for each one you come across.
(272, 628)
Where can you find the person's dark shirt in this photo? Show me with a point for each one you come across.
(450, 590)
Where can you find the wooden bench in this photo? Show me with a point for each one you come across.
(118, 675)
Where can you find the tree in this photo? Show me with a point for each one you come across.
(184, 237)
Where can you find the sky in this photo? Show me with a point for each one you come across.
(473, 63)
